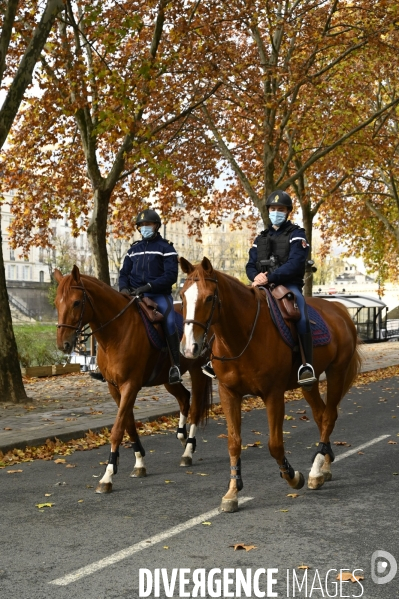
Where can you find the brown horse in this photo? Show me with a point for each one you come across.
(127, 361)
(250, 357)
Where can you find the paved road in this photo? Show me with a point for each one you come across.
(339, 526)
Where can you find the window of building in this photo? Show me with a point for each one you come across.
(12, 255)
(41, 276)
(41, 252)
(26, 273)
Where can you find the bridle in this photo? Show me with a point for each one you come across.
(206, 326)
(82, 333)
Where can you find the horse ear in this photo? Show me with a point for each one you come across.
(75, 274)
(58, 275)
(206, 265)
(186, 266)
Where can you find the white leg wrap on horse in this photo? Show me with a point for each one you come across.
(109, 471)
(188, 452)
(182, 422)
(317, 465)
(139, 460)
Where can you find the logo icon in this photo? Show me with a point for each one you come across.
(142, 215)
(276, 198)
(383, 567)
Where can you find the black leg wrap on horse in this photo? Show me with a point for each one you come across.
(137, 446)
(114, 459)
(182, 430)
(286, 468)
(237, 477)
(193, 442)
(324, 449)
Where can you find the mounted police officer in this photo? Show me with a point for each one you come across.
(150, 268)
(278, 256)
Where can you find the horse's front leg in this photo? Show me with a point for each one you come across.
(139, 470)
(275, 414)
(231, 404)
(126, 396)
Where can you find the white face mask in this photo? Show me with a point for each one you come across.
(146, 231)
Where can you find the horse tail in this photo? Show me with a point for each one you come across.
(206, 400)
(354, 367)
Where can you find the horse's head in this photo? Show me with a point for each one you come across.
(200, 305)
(71, 305)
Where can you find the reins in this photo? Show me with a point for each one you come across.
(83, 331)
(207, 325)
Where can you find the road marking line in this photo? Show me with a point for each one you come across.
(352, 451)
(120, 555)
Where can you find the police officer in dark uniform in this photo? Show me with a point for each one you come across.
(150, 268)
(278, 256)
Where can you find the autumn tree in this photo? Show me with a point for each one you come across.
(292, 74)
(24, 29)
(118, 82)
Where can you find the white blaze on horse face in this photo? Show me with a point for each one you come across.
(191, 300)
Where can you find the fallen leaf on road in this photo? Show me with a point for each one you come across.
(293, 495)
(80, 500)
(169, 481)
(60, 461)
(301, 412)
(7, 428)
(41, 505)
(360, 453)
(255, 432)
(202, 474)
(239, 546)
(48, 494)
(392, 443)
(207, 523)
(188, 472)
(256, 444)
(340, 443)
(165, 547)
(304, 418)
(70, 466)
(349, 576)
(103, 463)
(13, 471)
(288, 417)
(223, 436)
(283, 510)
(303, 567)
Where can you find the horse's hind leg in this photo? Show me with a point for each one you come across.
(189, 442)
(275, 413)
(321, 467)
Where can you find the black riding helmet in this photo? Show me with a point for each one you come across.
(279, 198)
(148, 216)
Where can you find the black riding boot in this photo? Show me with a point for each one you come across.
(306, 375)
(173, 342)
(96, 375)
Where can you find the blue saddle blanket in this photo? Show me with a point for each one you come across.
(156, 339)
(320, 332)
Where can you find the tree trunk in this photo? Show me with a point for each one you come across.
(308, 226)
(11, 386)
(97, 234)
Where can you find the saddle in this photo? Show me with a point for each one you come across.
(149, 308)
(286, 302)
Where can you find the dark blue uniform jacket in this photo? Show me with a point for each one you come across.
(291, 271)
(150, 261)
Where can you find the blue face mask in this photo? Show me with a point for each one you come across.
(277, 218)
(146, 231)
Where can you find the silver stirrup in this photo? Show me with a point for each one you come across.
(208, 370)
(310, 379)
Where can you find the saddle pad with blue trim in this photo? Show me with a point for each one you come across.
(153, 335)
(320, 332)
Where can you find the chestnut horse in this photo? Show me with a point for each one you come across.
(250, 357)
(127, 361)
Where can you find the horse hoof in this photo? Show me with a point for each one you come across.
(139, 473)
(229, 505)
(186, 461)
(300, 480)
(104, 488)
(315, 482)
(327, 475)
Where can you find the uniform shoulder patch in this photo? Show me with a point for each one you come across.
(167, 241)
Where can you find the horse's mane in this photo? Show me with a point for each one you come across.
(232, 280)
(68, 281)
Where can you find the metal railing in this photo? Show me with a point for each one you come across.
(19, 306)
